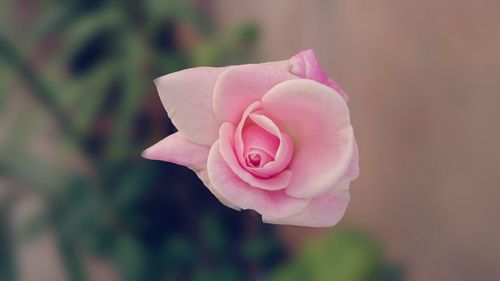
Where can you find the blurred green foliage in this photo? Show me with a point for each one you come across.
(346, 254)
(88, 66)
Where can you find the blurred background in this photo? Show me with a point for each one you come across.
(77, 106)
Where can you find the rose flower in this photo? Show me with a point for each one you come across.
(273, 137)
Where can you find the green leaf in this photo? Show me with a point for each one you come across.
(80, 32)
(19, 162)
(8, 268)
(178, 251)
(247, 34)
(258, 248)
(132, 186)
(54, 18)
(214, 235)
(228, 272)
(6, 84)
(158, 10)
(231, 47)
(131, 258)
(133, 81)
(347, 255)
(90, 93)
(35, 225)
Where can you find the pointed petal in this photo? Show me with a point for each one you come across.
(187, 98)
(179, 150)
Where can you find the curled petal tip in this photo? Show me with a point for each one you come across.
(306, 65)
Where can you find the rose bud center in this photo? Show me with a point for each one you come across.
(261, 148)
(257, 158)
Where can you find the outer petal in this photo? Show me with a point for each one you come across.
(203, 175)
(327, 209)
(352, 171)
(318, 121)
(179, 150)
(272, 204)
(305, 65)
(187, 98)
(240, 86)
(282, 64)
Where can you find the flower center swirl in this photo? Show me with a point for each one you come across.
(257, 158)
(260, 146)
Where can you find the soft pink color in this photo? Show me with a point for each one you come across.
(274, 137)
(305, 65)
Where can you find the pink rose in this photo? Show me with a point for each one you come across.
(273, 137)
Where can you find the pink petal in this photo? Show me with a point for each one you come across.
(203, 175)
(277, 182)
(239, 86)
(239, 145)
(353, 170)
(282, 64)
(323, 211)
(282, 155)
(179, 150)
(319, 123)
(305, 65)
(272, 204)
(256, 137)
(284, 152)
(328, 209)
(187, 98)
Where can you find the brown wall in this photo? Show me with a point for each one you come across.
(422, 76)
